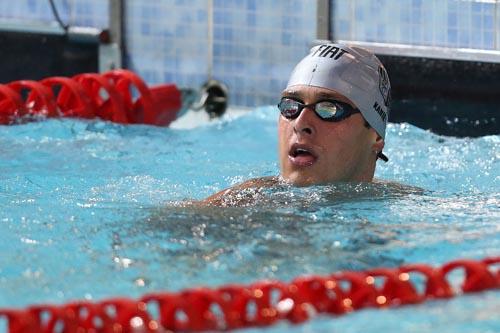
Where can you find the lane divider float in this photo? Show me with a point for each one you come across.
(119, 96)
(260, 304)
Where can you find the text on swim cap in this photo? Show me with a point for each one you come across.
(380, 111)
(329, 50)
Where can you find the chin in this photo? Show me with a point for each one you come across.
(300, 179)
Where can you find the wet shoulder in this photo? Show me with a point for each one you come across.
(242, 194)
(274, 191)
(396, 187)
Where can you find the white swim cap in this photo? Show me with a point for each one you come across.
(353, 72)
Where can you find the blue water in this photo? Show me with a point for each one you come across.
(91, 210)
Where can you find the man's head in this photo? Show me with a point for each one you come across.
(334, 112)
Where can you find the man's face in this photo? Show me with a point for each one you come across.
(314, 151)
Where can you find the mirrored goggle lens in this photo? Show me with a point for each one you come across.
(329, 110)
(289, 108)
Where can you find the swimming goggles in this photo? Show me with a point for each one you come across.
(328, 110)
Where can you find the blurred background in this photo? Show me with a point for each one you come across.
(252, 45)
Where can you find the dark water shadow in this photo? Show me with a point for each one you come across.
(290, 231)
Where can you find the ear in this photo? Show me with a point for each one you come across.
(378, 145)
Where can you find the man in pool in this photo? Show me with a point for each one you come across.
(331, 128)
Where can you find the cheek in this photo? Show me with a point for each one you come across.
(342, 143)
(283, 132)
(335, 139)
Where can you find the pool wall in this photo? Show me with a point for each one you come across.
(256, 43)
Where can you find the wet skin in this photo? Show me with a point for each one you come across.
(344, 151)
(313, 151)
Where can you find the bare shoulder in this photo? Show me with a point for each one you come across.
(240, 194)
(399, 187)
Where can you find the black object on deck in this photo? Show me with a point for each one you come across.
(36, 55)
(449, 97)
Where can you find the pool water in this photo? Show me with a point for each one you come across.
(92, 210)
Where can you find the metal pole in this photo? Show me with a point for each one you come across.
(323, 31)
(117, 27)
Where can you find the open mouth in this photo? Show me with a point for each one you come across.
(301, 155)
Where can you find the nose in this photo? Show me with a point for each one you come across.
(304, 123)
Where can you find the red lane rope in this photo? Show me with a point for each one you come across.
(125, 81)
(40, 99)
(71, 97)
(259, 304)
(109, 103)
(119, 95)
(11, 104)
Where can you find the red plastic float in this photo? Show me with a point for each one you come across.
(156, 106)
(40, 99)
(71, 97)
(140, 110)
(167, 101)
(260, 304)
(108, 101)
(110, 96)
(11, 105)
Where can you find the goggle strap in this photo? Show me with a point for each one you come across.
(382, 156)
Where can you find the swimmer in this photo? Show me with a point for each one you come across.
(331, 127)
